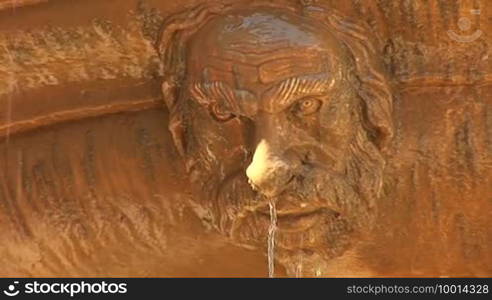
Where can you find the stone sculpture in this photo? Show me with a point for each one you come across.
(301, 98)
(245, 138)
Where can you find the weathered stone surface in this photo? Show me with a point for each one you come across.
(91, 183)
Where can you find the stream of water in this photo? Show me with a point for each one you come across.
(271, 239)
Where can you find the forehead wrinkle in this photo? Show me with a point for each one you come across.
(284, 68)
(257, 57)
(239, 100)
(270, 68)
(220, 60)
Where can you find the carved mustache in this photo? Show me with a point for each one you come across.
(310, 188)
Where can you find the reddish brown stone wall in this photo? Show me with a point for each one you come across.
(84, 145)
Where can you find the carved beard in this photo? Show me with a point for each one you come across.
(346, 201)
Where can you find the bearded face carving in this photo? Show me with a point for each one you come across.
(276, 105)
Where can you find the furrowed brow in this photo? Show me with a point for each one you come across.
(208, 93)
(286, 92)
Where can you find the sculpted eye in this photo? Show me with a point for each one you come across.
(221, 113)
(307, 106)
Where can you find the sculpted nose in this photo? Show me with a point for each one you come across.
(268, 173)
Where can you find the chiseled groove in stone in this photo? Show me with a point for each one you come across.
(77, 114)
(11, 4)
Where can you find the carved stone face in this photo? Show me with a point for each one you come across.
(275, 118)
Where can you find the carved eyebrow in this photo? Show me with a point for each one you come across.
(209, 93)
(287, 91)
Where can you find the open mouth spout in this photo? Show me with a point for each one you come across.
(296, 219)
